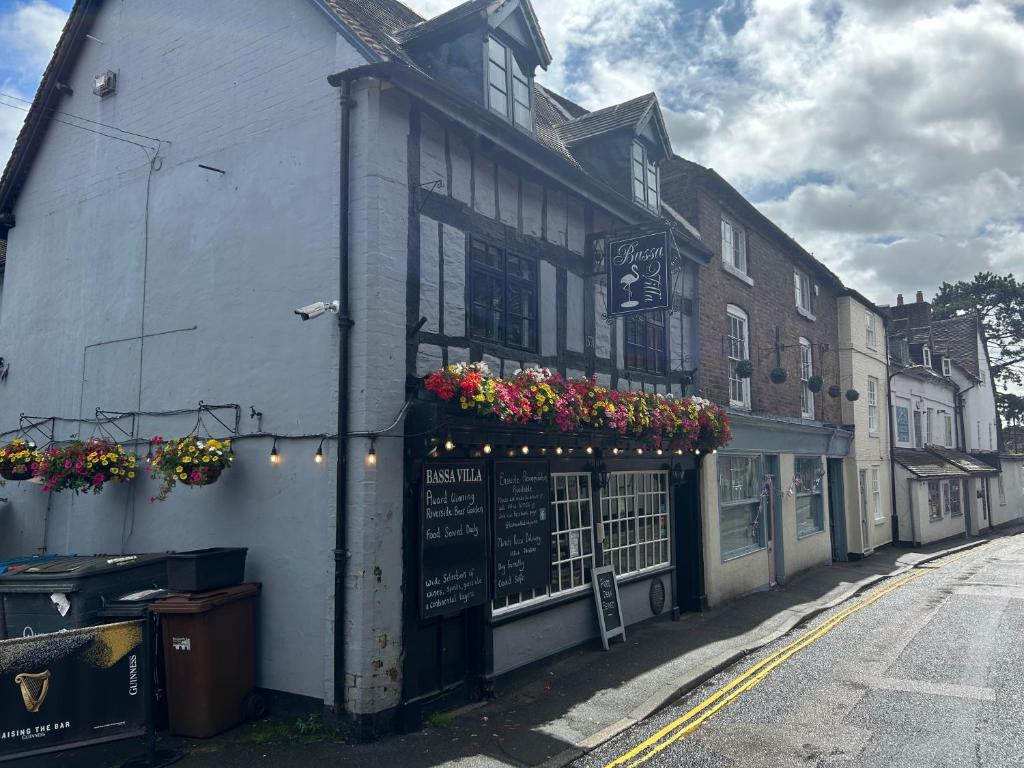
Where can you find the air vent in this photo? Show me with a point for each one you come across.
(105, 83)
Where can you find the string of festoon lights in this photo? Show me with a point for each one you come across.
(487, 449)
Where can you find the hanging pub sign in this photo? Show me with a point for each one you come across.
(522, 527)
(72, 688)
(453, 537)
(638, 273)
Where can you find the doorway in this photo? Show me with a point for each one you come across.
(837, 509)
(773, 521)
(689, 544)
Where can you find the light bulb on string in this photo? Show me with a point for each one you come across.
(275, 457)
(525, 449)
(487, 448)
(371, 455)
(615, 451)
(659, 451)
(318, 457)
(590, 450)
(558, 450)
(639, 451)
(449, 444)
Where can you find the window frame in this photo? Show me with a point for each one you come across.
(548, 594)
(652, 359)
(646, 168)
(732, 312)
(897, 406)
(947, 367)
(478, 270)
(509, 69)
(758, 525)
(737, 237)
(926, 356)
(948, 428)
(806, 372)
(802, 291)
(816, 494)
(934, 490)
(870, 335)
(876, 493)
(624, 498)
(873, 425)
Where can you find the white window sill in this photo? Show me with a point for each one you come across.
(879, 521)
(738, 274)
(741, 553)
(873, 433)
(806, 313)
(739, 406)
(807, 416)
(934, 519)
(808, 534)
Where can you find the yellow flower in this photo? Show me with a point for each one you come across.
(131, 475)
(186, 459)
(206, 459)
(179, 469)
(182, 477)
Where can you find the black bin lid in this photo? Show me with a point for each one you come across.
(82, 566)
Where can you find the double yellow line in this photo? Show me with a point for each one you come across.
(732, 690)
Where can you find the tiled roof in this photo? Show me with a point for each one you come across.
(625, 115)
(957, 338)
(926, 463)
(451, 16)
(965, 461)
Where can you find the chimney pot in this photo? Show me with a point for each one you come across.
(899, 300)
(920, 297)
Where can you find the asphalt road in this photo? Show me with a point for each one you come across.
(925, 670)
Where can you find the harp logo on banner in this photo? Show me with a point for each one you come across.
(34, 687)
(638, 273)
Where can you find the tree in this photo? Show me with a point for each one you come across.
(999, 301)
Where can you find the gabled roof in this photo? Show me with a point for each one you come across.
(926, 464)
(634, 114)
(482, 9)
(957, 338)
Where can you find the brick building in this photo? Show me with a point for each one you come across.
(767, 306)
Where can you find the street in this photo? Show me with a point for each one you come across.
(924, 670)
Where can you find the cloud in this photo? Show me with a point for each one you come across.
(28, 34)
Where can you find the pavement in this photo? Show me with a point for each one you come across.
(920, 671)
(554, 712)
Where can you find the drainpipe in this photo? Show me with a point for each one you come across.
(891, 403)
(344, 328)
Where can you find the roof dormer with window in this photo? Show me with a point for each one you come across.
(490, 51)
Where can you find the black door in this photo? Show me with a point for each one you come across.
(837, 509)
(445, 656)
(689, 544)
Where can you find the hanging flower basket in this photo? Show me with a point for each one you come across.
(191, 461)
(815, 383)
(778, 375)
(19, 460)
(852, 395)
(85, 466)
(538, 396)
(744, 369)
(835, 390)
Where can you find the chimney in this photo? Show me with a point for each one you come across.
(920, 297)
(899, 300)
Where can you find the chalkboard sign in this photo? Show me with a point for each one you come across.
(453, 538)
(522, 527)
(606, 598)
(638, 274)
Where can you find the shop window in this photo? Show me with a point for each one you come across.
(872, 405)
(934, 500)
(644, 349)
(806, 371)
(955, 507)
(572, 540)
(634, 521)
(809, 502)
(737, 350)
(741, 506)
(503, 297)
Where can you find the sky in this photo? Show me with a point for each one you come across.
(887, 136)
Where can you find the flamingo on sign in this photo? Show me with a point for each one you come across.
(627, 282)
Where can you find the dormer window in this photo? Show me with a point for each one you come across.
(509, 90)
(926, 355)
(947, 367)
(645, 178)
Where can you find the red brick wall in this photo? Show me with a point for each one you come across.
(770, 304)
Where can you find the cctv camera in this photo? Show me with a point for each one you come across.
(315, 310)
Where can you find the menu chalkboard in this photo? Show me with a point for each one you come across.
(606, 598)
(522, 527)
(453, 540)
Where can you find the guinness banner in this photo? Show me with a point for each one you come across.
(638, 274)
(72, 688)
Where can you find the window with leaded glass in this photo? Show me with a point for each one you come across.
(634, 521)
(810, 506)
(503, 296)
(644, 349)
(741, 506)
